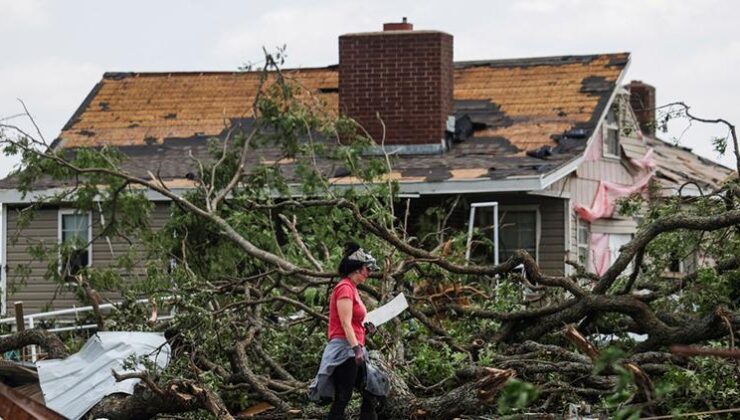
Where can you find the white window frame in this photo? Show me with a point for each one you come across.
(471, 225)
(580, 223)
(538, 223)
(60, 214)
(606, 126)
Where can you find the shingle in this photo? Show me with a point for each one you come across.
(526, 104)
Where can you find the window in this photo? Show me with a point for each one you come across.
(611, 134)
(74, 231)
(679, 265)
(583, 241)
(518, 230)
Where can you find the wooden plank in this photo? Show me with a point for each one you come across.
(16, 406)
(20, 323)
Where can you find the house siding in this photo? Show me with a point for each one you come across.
(581, 185)
(37, 292)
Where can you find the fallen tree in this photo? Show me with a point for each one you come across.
(248, 265)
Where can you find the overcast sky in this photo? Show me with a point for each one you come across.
(53, 52)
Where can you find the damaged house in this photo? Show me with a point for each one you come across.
(553, 141)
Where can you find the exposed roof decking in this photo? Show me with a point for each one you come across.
(517, 105)
(542, 99)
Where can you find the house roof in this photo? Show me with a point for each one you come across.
(516, 106)
(677, 165)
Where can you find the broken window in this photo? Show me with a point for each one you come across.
(611, 134)
(517, 230)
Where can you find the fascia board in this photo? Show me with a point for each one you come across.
(472, 186)
(16, 197)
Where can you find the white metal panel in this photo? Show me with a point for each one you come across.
(72, 386)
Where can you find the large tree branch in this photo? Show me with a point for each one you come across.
(48, 341)
(669, 223)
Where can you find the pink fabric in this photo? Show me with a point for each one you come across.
(607, 193)
(600, 253)
(646, 162)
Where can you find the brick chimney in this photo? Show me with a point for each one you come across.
(403, 75)
(642, 99)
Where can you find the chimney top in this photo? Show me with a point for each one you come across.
(404, 25)
(642, 99)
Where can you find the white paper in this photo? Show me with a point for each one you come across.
(388, 311)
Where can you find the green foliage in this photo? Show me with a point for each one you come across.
(707, 384)
(719, 144)
(612, 358)
(516, 395)
(430, 364)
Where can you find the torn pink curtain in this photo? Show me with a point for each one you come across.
(600, 253)
(607, 193)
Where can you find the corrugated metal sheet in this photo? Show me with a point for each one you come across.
(74, 385)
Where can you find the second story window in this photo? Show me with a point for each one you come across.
(74, 232)
(611, 134)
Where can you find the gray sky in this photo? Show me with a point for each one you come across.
(53, 52)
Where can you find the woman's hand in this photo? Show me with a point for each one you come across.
(359, 355)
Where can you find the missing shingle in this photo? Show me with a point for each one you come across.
(103, 106)
(560, 112)
(170, 116)
(86, 133)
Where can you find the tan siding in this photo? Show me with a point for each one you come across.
(38, 293)
(107, 250)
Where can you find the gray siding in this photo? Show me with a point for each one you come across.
(552, 244)
(38, 293)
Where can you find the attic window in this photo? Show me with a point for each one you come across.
(611, 134)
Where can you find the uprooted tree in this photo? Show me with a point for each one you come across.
(248, 257)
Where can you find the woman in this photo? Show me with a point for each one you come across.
(345, 364)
